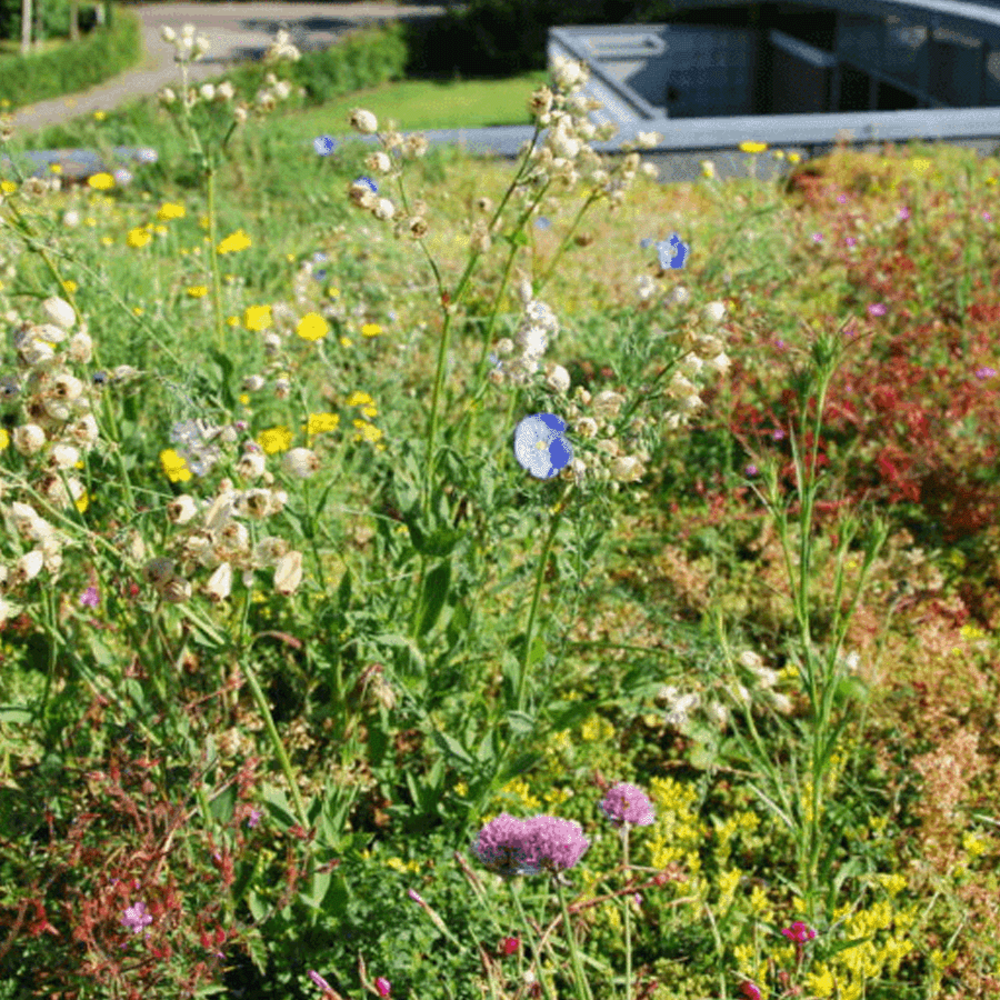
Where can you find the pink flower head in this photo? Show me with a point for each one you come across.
(510, 846)
(414, 895)
(750, 991)
(90, 598)
(799, 932)
(320, 981)
(382, 985)
(625, 803)
(508, 946)
(877, 309)
(136, 917)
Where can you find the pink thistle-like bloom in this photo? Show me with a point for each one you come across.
(626, 803)
(877, 309)
(500, 846)
(799, 932)
(382, 985)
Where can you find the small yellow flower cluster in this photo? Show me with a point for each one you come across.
(398, 865)
(235, 242)
(675, 835)
(275, 439)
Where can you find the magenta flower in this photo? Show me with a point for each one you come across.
(625, 803)
(799, 932)
(254, 818)
(320, 981)
(751, 470)
(817, 237)
(851, 241)
(414, 895)
(842, 199)
(382, 985)
(508, 946)
(750, 991)
(90, 598)
(904, 212)
(877, 309)
(510, 846)
(985, 372)
(136, 918)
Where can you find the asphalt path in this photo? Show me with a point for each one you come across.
(237, 32)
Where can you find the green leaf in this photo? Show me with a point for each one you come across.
(317, 891)
(344, 592)
(458, 625)
(223, 805)
(257, 906)
(277, 803)
(452, 748)
(521, 722)
(538, 651)
(435, 594)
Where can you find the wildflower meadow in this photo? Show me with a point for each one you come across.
(436, 578)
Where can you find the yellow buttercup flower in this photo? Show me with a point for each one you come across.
(197, 291)
(275, 439)
(312, 326)
(4, 439)
(359, 399)
(138, 238)
(175, 466)
(100, 115)
(320, 423)
(170, 210)
(257, 317)
(371, 330)
(368, 431)
(56, 168)
(237, 241)
(70, 286)
(794, 157)
(101, 182)
(753, 147)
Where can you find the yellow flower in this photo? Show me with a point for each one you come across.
(4, 439)
(171, 210)
(794, 157)
(368, 431)
(82, 501)
(275, 439)
(753, 147)
(232, 321)
(244, 399)
(973, 845)
(101, 182)
(174, 466)
(138, 238)
(238, 241)
(344, 342)
(8, 187)
(290, 257)
(461, 788)
(320, 423)
(257, 317)
(359, 399)
(893, 884)
(197, 291)
(70, 286)
(138, 310)
(100, 115)
(335, 292)
(991, 181)
(371, 330)
(920, 164)
(778, 154)
(56, 168)
(312, 326)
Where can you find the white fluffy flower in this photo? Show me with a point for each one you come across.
(384, 210)
(64, 456)
(220, 583)
(29, 439)
(607, 404)
(300, 462)
(364, 121)
(81, 348)
(714, 313)
(380, 162)
(288, 573)
(28, 567)
(251, 465)
(168, 34)
(626, 469)
(181, 509)
(557, 378)
(207, 91)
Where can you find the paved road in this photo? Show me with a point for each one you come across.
(237, 32)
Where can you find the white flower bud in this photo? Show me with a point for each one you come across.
(29, 439)
(81, 348)
(384, 210)
(63, 456)
(288, 573)
(220, 583)
(59, 312)
(27, 567)
(557, 378)
(300, 462)
(251, 465)
(364, 121)
(207, 91)
(586, 427)
(225, 91)
(607, 404)
(167, 96)
(181, 509)
(168, 34)
(714, 313)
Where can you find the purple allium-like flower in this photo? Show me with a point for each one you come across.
(625, 803)
(985, 372)
(90, 598)
(877, 309)
(987, 217)
(751, 470)
(904, 212)
(500, 846)
(553, 844)
(136, 917)
(842, 199)
(510, 846)
(817, 237)
(778, 435)
(851, 241)
(254, 818)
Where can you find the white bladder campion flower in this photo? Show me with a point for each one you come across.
(364, 121)
(300, 462)
(29, 439)
(220, 583)
(288, 573)
(59, 312)
(714, 313)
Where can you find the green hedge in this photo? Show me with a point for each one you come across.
(102, 54)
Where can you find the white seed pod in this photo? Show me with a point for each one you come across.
(63, 456)
(300, 462)
(364, 121)
(626, 469)
(714, 313)
(182, 509)
(177, 591)
(29, 439)
(220, 583)
(59, 312)
(251, 465)
(27, 567)
(384, 209)
(81, 348)
(288, 573)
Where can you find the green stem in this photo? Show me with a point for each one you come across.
(581, 986)
(213, 254)
(515, 894)
(628, 919)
